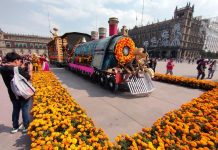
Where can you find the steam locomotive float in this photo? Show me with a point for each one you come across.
(114, 62)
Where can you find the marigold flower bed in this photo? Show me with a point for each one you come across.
(187, 82)
(60, 123)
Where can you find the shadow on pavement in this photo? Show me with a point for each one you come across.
(23, 143)
(75, 81)
(4, 128)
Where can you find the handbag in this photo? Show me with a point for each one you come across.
(20, 86)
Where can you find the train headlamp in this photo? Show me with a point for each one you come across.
(126, 51)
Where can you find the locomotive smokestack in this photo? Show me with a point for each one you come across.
(124, 31)
(94, 35)
(113, 23)
(102, 32)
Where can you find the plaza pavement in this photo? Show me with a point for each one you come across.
(115, 113)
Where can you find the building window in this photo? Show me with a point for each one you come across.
(8, 44)
(36, 46)
(20, 45)
(24, 45)
(16, 44)
(31, 45)
(44, 46)
(40, 46)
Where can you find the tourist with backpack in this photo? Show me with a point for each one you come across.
(201, 66)
(9, 71)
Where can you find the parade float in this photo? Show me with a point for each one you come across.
(114, 62)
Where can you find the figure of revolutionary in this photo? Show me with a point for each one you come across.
(177, 36)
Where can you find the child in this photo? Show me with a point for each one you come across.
(170, 67)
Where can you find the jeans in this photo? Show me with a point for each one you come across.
(201, 73)
(169, 71)
(24, 106)
(210, 74)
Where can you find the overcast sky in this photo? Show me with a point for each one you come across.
(35, 16)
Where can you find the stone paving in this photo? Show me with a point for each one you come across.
(115, 113)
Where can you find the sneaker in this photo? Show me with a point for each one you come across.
(14, 130)
(24, 130)
(21, 126)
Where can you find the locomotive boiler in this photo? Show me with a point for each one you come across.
(114, 62)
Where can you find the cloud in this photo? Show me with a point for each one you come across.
(87, 15)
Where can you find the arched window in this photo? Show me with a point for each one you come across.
(40, 46)
(20, 45)
(36, 46)
(16, 44)
(24, 45)
(31, 45)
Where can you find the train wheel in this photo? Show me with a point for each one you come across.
(95, 77)
(112, 85)
(103, 80)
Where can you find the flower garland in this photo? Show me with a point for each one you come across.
(122, 44)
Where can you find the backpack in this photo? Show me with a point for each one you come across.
(20, 86)
(198, 66)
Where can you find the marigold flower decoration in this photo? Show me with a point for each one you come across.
(124, 50)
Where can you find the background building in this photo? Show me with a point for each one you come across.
(179, 37)
(22, 44)
(210, 27)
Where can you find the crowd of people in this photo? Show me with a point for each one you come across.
(26, 65)
(202, 65)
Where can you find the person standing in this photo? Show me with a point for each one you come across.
(35, 62)
(170, 66)
(45, 65)
(7, 72)
(154, 63)
(211, 69)
(201, 68)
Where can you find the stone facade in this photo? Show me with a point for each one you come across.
(179, 37)
(22, 44)
(210, 27)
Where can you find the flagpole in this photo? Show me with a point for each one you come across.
(142, 13)
(49, 25)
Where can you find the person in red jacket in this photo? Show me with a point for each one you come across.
(170, 66)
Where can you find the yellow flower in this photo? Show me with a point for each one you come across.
(74, 141)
